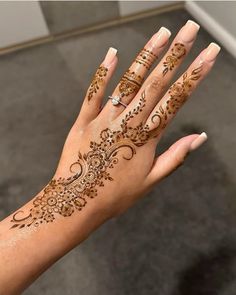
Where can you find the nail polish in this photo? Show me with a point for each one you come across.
(198, 141)
(159, 39)
(211, 52)
(189, 31)
(110, 56)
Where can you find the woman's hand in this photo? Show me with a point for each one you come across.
(108, 160)
(109, 156)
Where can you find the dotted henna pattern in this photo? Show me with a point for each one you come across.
(62, 197)
(97, 81)
(146, 58)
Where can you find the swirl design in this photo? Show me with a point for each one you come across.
(65, 196)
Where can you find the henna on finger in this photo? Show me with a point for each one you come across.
(178, 94)
(171, 61)
(132, 80)
(130, 83)
(146, 58)
(62, 197)
(97, 82)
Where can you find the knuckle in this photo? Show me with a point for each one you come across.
(156, 83)
(179, 159)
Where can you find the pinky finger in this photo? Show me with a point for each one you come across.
(94, 96)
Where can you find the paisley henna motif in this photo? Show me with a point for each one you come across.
(97, 81)
(171, 61)
(62, 197)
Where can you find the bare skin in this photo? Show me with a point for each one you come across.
(108, 161)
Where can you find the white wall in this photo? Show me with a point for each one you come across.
(20, 22)
(130, 7)
(217, 17)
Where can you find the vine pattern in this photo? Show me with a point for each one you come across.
(64, 196)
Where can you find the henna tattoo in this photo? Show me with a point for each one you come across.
(146, 58)
(171, 61)
(65, 196)
(130, 83)
(97, 81)
(178, 92)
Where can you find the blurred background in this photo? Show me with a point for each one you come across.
(181, 238)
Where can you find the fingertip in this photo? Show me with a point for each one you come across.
(199, 141)
(110, 57)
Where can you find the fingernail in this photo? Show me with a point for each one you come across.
(198, 141)
(110, 56)
(160, 38)
(189, 31)
(211, 52)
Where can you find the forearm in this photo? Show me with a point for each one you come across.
(27, 252)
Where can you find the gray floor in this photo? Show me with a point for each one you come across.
(181, 239)
(67, 15)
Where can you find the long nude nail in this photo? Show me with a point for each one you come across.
(189, 31)
(110, 56)
(211, 52)
(198, 141)
(159, 39)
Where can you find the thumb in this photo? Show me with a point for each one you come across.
(174, 157)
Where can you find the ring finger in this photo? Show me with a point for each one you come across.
(132, 80)
(162, 74)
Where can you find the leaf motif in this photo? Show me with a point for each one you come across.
(197, 70)
(165, 71)
(15, 225)
(195, 77)
(185, 75)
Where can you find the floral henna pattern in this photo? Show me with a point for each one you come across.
(65, 196)
(97, 81)
(130, 83)
(171, 61)
(62, 197)
(178, 94)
